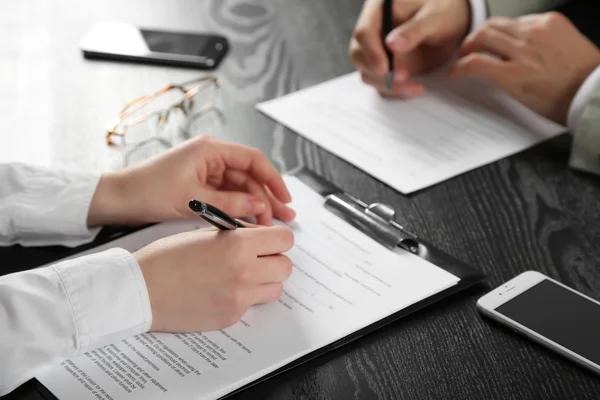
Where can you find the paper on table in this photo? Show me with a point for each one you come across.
(342, 281)
(454, 127)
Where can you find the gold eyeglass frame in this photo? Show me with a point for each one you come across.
(116, 128)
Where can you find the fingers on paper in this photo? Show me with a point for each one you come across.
(270, 269)
(266, 241)
(402, 90)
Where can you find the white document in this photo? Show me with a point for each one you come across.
(454, 127)
(342, 281)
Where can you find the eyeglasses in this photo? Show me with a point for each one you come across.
(145, 119)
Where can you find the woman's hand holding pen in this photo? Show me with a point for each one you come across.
(426, 35)
(237, 179)
(207, 279)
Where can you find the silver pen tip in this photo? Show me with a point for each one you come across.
(389, 81)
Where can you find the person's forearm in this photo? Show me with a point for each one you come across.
(54, 313)
(124, 197)
(109, 201)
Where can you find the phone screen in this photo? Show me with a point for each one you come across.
(559, 315)
(175, 43)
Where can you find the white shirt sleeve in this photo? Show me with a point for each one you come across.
(53, 313)
(582, 98)
(41, 207)
(479, 14)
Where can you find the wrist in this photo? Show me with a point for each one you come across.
(108, 203)
(458, 15)
(587, 68)
(468, 6)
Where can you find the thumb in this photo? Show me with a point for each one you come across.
(408, 36)
(236, 204)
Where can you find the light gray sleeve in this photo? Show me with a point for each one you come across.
(515, 8)
(585, 153)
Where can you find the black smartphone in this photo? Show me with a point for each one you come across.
(125, 42)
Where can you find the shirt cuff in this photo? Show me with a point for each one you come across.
(108, 297)
(54, 208)
(582, 98)
(479, 14)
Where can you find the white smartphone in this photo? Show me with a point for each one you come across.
(125, 42)
(549, 313)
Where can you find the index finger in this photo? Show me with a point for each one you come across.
(510, 26)
(367, 34)
(269, 240)
(253, 162)
(480, 65)
(492, 41)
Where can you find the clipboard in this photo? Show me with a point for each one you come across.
(377, 221)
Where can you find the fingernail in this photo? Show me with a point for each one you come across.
(256, 207)
(396, 41)
(292, 213)
(400, 76)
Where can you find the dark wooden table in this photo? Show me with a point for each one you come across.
(526, 212)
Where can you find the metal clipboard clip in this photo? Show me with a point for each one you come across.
(375, 220)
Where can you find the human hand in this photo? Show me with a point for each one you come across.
(234, 178)
(427, 34)
(540, 60)
(207, 279)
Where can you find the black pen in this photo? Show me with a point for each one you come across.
(388, 25)
(214, 216)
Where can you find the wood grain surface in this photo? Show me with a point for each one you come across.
(526, 212)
